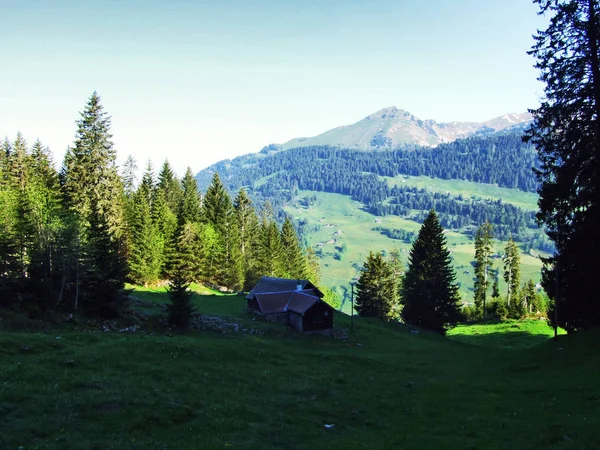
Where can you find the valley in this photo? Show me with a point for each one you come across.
(342, 233)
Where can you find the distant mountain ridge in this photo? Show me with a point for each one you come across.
(392, 127)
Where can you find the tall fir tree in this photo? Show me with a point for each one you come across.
(566, 133)
(146, 258)
(189, 207)
(165, 222)
(171, 187)
(293, 259)
(218, 211)
(483, 265)
(429, 292)
(248, 226)
(512, 272)
(375, 288)
(93, 194)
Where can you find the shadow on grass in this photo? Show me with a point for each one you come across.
(512, 339)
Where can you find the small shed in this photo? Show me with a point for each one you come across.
(295, 302)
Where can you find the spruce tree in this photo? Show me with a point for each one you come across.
(248, 228)
(170, 186)
(165, 222)
(146, 258)
(218, 211)
(93, 194)
(512, 271)
(429, 292)
(566, 133)
(293, 259)
(375, 288)
(189, 207)
(483, 265)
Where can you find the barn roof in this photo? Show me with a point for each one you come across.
(301, 302)
(272, 302)
(272, 284)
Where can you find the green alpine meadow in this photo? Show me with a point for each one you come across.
(169, 279)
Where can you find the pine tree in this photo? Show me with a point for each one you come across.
(495, 287)
(483, 265)
(184, 268)
(293, 259)
(171, 187)
(248, 228)
(217, 211)
(566, 133)
(397, 267)
(93, 192)
(530, 297)
(189, 208)
(375, 288)
(146, 258)
(271, 250)
(512, 270)
(312, 266)
(165, 222)
(128, 176)
(429, 293)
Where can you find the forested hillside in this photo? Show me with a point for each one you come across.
(500, 159)
(381, 183)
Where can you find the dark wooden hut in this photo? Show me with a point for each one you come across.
(295, 302)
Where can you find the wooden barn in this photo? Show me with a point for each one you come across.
(295, 302)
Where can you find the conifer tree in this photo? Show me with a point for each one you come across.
(128, 176)
(495, 287)
(429, 292)
(375, 288)
(312, 266)
(512, 271)
(189, 208)
(271, 251)
(165, 222)
(93, 192)
(293, 259)
(218, 211)
(45, 217)
(146, 258)
(566, 133)
(248, 228)
(397, 267)
(483, 265)
(183, 270)
(171, 187)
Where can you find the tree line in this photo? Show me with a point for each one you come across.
(71, 238)
(358, 174)
(426, 293)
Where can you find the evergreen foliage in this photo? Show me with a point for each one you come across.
(375, 288)
(512, 272)
(293, 259)
(566, 132)
(93, 193)
(429, 294)
(483, 265)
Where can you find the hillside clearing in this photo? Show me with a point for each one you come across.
(357, 232)
(384, 388)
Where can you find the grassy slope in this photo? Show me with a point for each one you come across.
(74, 389)
(357, 224)
(468, 189)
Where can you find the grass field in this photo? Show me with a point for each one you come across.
(468, 189)
(266, 387)
(357, 226)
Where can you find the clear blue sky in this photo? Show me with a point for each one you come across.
(198, 81)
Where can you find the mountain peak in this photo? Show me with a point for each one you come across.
(391, 127)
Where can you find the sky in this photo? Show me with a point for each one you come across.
(196, 81)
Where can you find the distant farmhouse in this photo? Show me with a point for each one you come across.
(297, 303)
